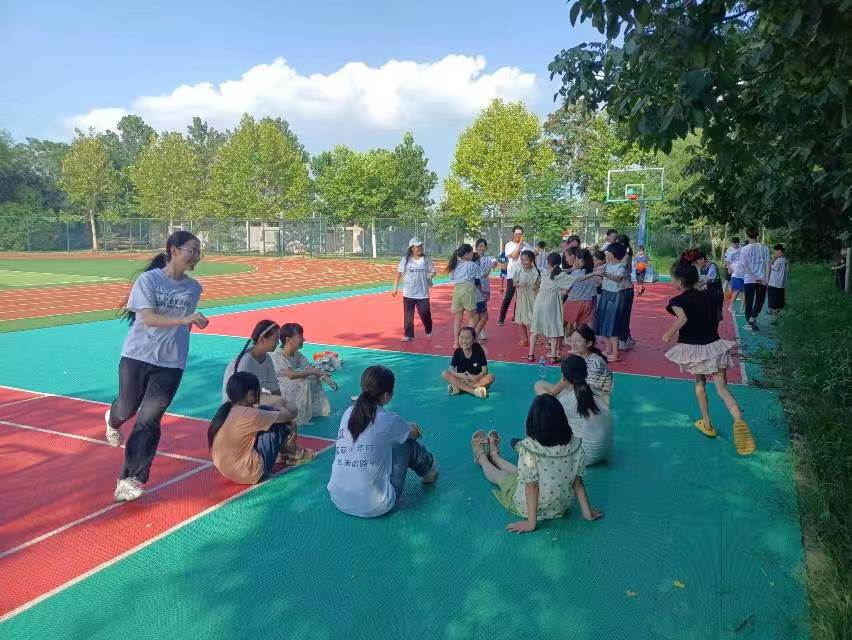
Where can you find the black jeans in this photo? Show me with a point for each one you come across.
(269, 443)
(147, 391)
(625, 311)
(507, 300)
(423, 310)
(755, 294)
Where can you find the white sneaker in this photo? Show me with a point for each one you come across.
(452, 390)
(431, 475)
(481, 392)
(113, 436)
(483, 335)
(128, 489)
(407, 339)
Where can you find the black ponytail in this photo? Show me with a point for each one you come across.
(586, 257)
(463, 249)
(555, 261)
(159, 261)
(238, 387)
(260, 330)
(574, 370)
(375, 382)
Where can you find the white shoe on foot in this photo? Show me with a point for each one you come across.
(128, 489)
(452, 390)
(431, 475)
(113, 436)
(481, 392)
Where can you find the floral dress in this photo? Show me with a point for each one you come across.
(305, 394)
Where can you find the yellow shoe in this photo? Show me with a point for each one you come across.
(710, 432)
(743, 440)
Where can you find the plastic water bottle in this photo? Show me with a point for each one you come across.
(542, 368)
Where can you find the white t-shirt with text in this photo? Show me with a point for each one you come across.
(418, 273)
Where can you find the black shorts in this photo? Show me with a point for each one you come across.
(727, 274)
(775, 297)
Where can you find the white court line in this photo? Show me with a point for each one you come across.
(75, 436)
(141, 546)
(9, 404)
(99, 512)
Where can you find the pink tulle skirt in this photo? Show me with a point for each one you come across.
(702, 359)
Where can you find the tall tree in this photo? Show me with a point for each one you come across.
(205, 140)
(126, 143)
(167, 178)
(415, 180)
(260, 173)
(89, 179)
(495, 159)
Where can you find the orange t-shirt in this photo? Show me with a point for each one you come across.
(233, 448)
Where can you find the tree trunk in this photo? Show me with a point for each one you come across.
(94, 226)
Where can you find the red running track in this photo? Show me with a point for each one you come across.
(55, 533)
(374, 321)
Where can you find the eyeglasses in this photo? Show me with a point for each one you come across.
(192, 252)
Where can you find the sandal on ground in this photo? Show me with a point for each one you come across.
(477, 445)
(708, 431)
(523, 343)
(555, 359)
(452, 390)
(480, 392)
(302, 456)
(530, 358)
(494, 442)
(743, 440)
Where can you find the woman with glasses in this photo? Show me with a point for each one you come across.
(161, 309)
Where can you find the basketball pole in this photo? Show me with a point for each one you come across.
(643, 223)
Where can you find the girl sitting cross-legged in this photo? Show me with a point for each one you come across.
(299, 380)
(549, 472)
(246, 440)
(468, 370)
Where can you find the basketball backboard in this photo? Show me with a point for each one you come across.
(645, 184)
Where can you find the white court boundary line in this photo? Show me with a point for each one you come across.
(9, 404)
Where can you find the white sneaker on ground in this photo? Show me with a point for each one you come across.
(407, 339)
(481, 392)
(113, 436)
(452, 390)
(431, 475)
(128, 489)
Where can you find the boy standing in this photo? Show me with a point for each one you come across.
(777, 281)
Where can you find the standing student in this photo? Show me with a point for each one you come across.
(549, 472)
(640, 268)
(709, 279)
(547, 310)
(606, 312)
(512, 252)
(579, 305)
(541, 256)
(464, 274)
(611, 238)
(160, 308)
(468, 371)
(598, 374)
(590, 419)
(486, 264)
(246, 440)
(839, 270)
(732, 254)
(626, 296)
(375, 448)
(527, 279)
(701, 352)
(417, 271)
(754, 258)
(777, 281)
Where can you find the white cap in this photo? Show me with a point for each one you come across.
(414, 242)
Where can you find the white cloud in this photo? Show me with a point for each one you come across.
(399, 95)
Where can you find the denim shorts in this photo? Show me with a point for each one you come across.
(481, 307)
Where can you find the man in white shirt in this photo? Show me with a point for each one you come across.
(754, 261)
(611, 237)
(512, 251)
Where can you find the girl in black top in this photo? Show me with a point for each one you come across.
(709, 278)
(701, 352)
(468, 370)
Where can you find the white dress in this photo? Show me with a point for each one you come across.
(547, 311)
(305, 394)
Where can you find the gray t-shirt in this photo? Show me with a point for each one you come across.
(265, 372)
(164, 347)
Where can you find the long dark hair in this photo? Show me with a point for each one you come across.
(290, 330)
(410, 253)
(574, 370)
(238, 387)
(546, 422)
(159, 261)
(260, 330)
(685, 271)
(375, 382)
(588, 334)
(555, 261)
(586, 257)
(463, 249)
(623, 239)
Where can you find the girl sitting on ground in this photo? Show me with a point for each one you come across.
(300, 382)
(598, 373)
(526, 278)
(701, 352)
(549, 472)
(255, 359)
(375, 449)
(590, 420)
(468, 371)
(464, 274)
(246, 440)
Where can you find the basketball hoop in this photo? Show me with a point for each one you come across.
(633, 196)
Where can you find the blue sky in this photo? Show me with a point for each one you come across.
(85, 63)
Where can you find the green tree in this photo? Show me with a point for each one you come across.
(89, 179)
(766, 84)
(205, 141)
(260, 173)
(126, 143)
(167, 178)
(414, 179)
(495, 159)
